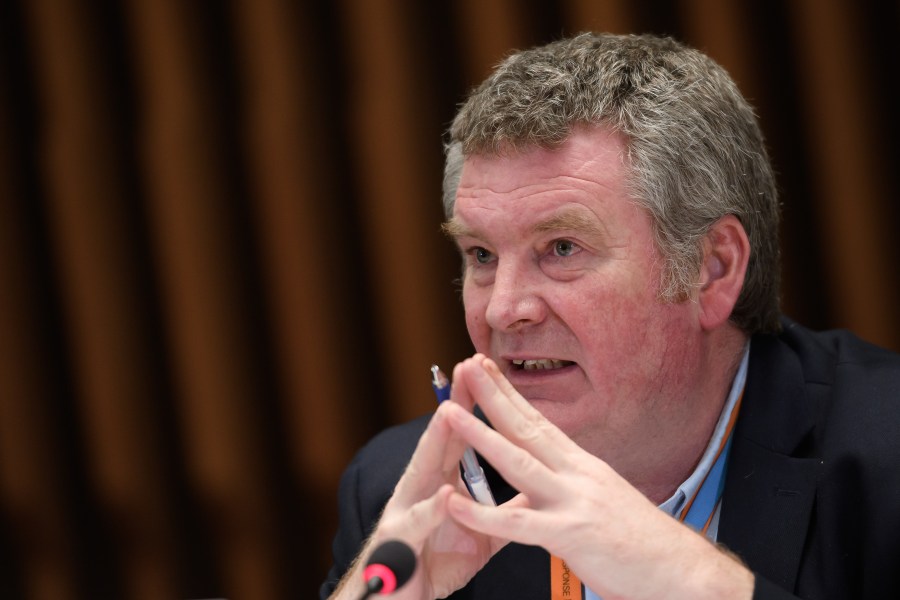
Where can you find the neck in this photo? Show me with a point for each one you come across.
(682, 438)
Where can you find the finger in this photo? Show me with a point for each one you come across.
(460, 393)
(512, 415)
(417, 523)
(519, 501)
(434, 462)
(502, 383)
(512, 521)
(522, 470)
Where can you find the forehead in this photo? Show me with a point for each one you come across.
(582, 179)
(593, 154)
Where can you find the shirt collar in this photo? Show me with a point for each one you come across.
(675, 503)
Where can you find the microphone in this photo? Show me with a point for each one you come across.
(390, 566)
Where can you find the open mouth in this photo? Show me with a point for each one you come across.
(540, 364)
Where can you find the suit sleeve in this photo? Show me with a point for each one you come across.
(763, 589)
(351, 530)
(366, 486)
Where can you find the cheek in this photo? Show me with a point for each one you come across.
(617, 329)
(475, 305)
(608, 306)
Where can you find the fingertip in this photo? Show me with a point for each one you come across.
(490, 366)
(442, 422)
(459, 422)
(445, 410)
(441, 414)
(446, 490)
(458, 504)
(457, 369)
(455, 414)
(459, 376)
(441, 495)
(493, 370)
(478, 370)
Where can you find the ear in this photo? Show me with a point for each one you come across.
(726, 252)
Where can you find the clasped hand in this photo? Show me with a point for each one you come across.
(570, 502)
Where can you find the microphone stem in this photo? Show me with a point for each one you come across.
(373, 586)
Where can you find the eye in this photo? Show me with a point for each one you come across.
(565, 248)
(481, 255)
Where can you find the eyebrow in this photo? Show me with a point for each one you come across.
(570, 221)
(565, 221)
(454, 228)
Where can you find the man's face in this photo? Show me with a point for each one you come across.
(561, 288)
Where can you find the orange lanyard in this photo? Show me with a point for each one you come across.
(709, 492)
(564, 584)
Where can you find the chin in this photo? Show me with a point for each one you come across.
(562, 414)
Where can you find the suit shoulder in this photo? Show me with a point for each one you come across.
(853, 389)
(379, 464)
(825, 354)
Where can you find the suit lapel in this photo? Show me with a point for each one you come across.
(769, 489)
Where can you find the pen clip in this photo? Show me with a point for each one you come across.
(440, 383)
(438, 379)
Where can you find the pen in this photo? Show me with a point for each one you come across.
(473, 474)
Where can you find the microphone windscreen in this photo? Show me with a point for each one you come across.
(393, 562)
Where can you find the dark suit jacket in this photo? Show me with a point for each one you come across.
(812, 494)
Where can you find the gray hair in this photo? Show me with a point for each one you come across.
(695, 152)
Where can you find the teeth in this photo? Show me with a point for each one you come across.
(542, 363)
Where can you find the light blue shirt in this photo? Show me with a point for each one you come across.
(674, 505)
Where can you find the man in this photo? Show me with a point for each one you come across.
(656, 429)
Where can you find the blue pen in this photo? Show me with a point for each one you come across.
(472, 471)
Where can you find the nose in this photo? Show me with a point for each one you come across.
(515, 301)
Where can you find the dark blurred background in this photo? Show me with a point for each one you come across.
(221, 269)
